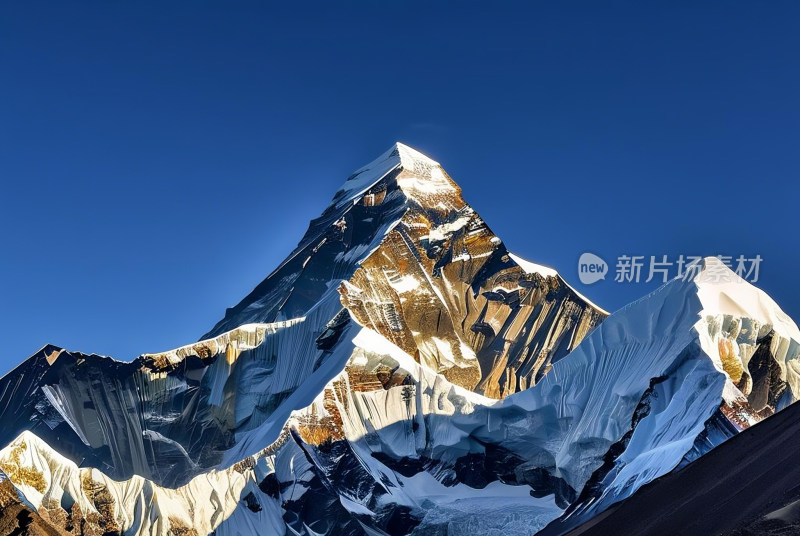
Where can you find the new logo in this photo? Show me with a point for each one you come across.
(591, 268)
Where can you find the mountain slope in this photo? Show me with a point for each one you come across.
(740, 331)
(413, 261)
(480, 320)
(749, 485)
(389, 446)
(18, 518)
(400, 373)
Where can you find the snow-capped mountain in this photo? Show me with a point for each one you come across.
(410, 259)
(400, 372)
(745, 487)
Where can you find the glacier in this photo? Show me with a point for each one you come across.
(400, 372)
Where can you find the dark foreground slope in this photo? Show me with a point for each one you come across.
(748, 486)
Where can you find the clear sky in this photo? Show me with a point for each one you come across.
(158, 160)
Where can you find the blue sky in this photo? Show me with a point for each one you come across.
(157, 162)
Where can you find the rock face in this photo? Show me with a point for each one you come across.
(400, 373)
(414, 262)
(17, 518)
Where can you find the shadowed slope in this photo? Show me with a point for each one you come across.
(748, 486)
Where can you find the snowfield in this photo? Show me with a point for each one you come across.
(400, 372)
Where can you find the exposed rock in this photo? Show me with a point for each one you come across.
(401, 372)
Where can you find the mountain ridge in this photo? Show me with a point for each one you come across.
(401, 372)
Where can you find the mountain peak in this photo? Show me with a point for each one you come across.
(405, 254)
(398, 157)
(351, 390)
(724, 291)
(410, 157)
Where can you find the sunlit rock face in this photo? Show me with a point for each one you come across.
(413, 261)
(16, 517)
(399, 373)
(380, 442)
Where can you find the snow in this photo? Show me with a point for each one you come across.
(533, 268)
(491, 511)
(399, 155)
(425, 181)
(566, 422)
(444, 231)
(424, 176)
(239, 336)
(411, 158)
(661, 352)
(670, 334)
(376, 343)
(597, 387)
(366, 177)
(202, 503)
(724, 292)
(380, 422)
(421, 195)
(406, 283)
